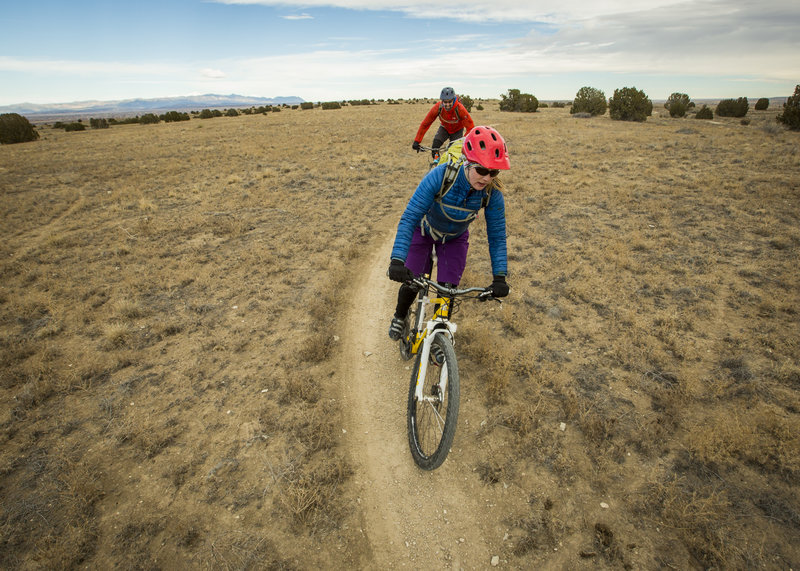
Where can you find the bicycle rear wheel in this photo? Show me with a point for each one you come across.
(432, 420)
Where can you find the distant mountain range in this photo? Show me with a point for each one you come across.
(131, 107)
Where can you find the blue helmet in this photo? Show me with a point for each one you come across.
(447, 94)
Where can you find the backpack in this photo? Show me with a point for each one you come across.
(454, 159)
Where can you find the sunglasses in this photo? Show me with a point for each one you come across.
(483, 171)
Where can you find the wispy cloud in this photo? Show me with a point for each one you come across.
(299, 17)
(82, 67)
(212, 73)
(480, 10)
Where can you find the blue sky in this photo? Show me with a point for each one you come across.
(54, 51)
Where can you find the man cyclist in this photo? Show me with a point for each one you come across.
(454, 118)
(436, 221)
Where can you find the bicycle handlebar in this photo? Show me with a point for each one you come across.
(483, 293)
(437, 149)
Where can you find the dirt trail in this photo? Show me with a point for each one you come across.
(411, 517)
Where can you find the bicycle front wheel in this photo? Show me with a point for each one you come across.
(432, 420)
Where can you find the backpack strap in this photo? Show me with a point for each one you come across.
(450, 174)
(455, 110)
(488, 196)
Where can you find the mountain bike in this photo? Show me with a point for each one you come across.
(434, 392)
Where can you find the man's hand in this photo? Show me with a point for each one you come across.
(415, 146)
(399, 272)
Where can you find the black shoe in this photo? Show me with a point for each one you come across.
(437, 355)
(396, 328)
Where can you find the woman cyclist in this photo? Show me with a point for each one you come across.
(438, 221)
(454, 119)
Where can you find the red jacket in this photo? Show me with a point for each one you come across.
(453, 120)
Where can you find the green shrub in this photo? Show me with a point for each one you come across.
(791, 111)
(467, 102)
(173, 116)
(331, 105)
(75, 126)
(733, 107)
(231, 112)
(705, 112)
(677, 104)
(677, 109)
(630, 104)
(518, 102)
(762, 104)
(206, 114)
(98, 123)
(479, 107)
(561, 104)
(306, 105)
(14, 128)
(589, 100)
(149, 119)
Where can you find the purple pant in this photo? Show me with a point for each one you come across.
(451, 256)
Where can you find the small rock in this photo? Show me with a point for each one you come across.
(562, 427)
(495, 561)
(604, 505)
(367, 353)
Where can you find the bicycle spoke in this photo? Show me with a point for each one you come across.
(432, 418)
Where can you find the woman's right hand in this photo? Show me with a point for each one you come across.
(398, 271)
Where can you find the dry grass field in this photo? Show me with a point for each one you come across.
(195, 372)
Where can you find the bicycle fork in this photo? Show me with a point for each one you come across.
(432, 330)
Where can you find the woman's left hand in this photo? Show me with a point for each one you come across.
(499, 287)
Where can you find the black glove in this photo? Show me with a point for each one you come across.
(499, 287)
(399, 272)
(415, 146)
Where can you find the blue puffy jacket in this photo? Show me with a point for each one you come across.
(452, 217)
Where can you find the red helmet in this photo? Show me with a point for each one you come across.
(485, 146)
